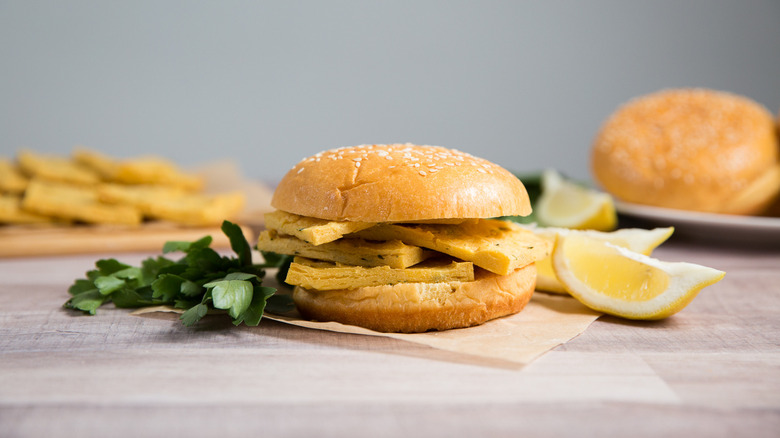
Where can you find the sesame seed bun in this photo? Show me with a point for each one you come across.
(690, 149)
(399, 182)
(419, 307)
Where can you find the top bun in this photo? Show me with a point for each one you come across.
(690, 149)
(399, 182)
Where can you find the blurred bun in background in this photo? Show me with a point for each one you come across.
(690, 149)
(774, 207)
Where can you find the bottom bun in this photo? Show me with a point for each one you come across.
(419, 307)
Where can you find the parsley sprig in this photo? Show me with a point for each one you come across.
(199, 281)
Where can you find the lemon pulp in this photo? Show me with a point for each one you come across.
(545, 277)
(604, 269)
(639, 240)
(568, 205)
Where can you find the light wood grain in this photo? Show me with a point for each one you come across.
(712, 370)
(25, 241)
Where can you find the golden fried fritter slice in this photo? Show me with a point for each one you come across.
(495, 245)
(140, 196)
(200, 210)
(150, 170)
(77, 203)
(319, 275)
(55, 168)
(102, 164)
(312, 230)
(174, 203)
(11, 212)
(154, 170)
(11, 178)
(395, 254)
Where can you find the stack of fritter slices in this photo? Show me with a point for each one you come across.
(93, 188)
(333, 255)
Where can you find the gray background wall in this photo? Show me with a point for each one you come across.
(525, 84)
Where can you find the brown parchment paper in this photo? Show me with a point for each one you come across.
(546, 322)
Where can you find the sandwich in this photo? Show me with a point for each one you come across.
(403, 238)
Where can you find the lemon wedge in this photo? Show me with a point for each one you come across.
(636, 239)
(621, 282)
(568, 205)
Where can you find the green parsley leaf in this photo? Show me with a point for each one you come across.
(166, 287)
(173, 268)
(153, 266)
(238, 243)
(82, 285)
(205, 261)
(108, 284)
(109, 266)
(131, 273)
(190, 289)
(87, 301)
(281, 274)
(185, 304)
(194, 314)
(254, 313)
(174, 246)
(240, 276)
(235, 296)
(281, 261)
(131, 298)
(272, 259)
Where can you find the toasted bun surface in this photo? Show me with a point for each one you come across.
(419, 307)
(691, 149)
(400, 182)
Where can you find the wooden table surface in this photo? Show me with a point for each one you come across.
(711, 370)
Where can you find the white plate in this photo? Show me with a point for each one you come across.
(710, 226)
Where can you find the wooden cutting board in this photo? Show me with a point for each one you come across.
(25, 241)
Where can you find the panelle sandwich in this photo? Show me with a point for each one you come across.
(399, 238)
